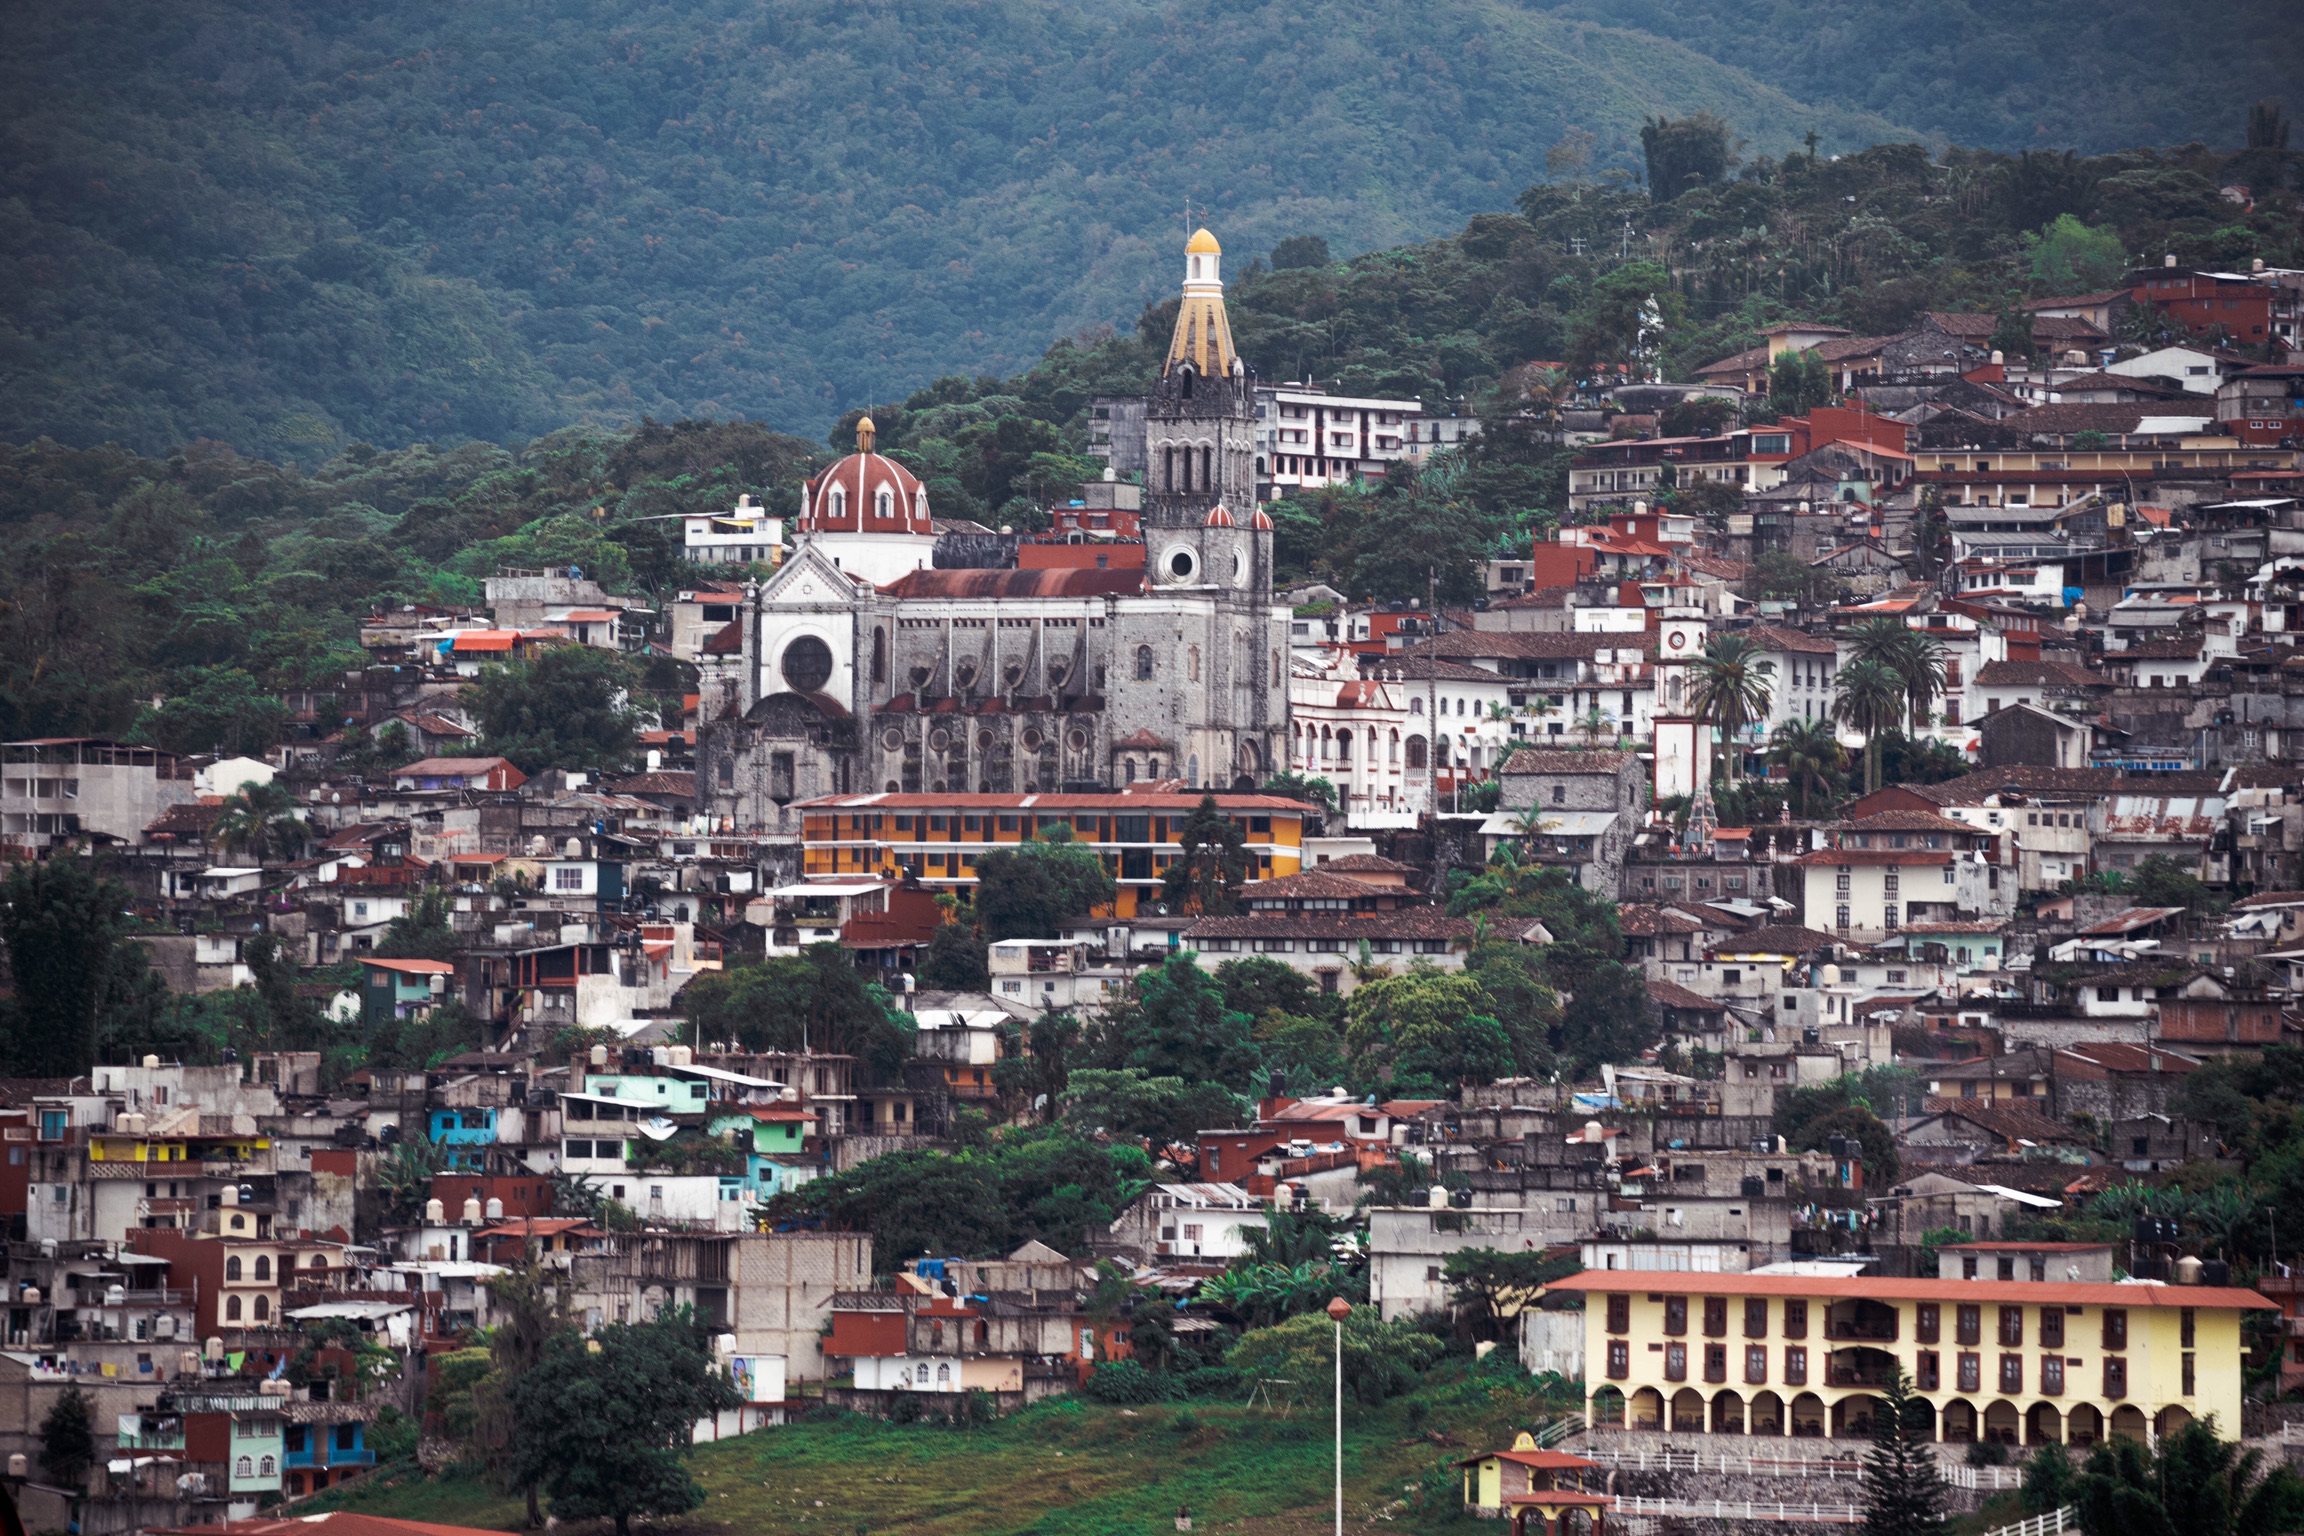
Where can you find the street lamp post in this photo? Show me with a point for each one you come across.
(1338, 1310)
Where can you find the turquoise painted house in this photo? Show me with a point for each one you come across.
(776, 1131)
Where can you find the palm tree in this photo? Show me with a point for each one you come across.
(1733, 687)
(1809, 756)
(1529, 824)
(1594, 722)
(1917, 661)
(1868, 698)
(261, 819)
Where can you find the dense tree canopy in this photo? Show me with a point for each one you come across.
(1050, 1183)
(815, 1001)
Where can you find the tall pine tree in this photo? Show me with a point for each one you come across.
(1903, 1490)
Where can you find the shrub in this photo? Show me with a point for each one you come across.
(1124, 1381)
(1987, 1453)
(1208, 1381)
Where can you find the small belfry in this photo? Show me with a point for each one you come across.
(1203, 331)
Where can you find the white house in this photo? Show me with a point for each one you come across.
(743, 535)
(229, 775)
(2197, 370)
(1192, 1221)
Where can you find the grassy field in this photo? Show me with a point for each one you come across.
(1068, 1468)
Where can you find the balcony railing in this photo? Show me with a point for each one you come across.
(1837, 1375)
(1865, 1331)
(168, 1440)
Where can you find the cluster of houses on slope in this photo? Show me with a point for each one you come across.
(2105, 551)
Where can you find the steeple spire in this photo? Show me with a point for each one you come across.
(1203, 333)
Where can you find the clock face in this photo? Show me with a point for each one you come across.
(1677, 639)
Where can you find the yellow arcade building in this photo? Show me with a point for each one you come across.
(2012, 1361)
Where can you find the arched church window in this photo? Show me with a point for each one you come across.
(1344, 747)
(1187, 457)
(884, 503)
(1275, 669)
(1192, 771)
(1207, 464)
(1168, 467)
(839, 501)
(1143, 663)
(1128, 770)
(1395, 753)
(1415, 751)
(1192, 663)
(1416, 706)
(1672, 690)
(879, 655)
(1327, 744)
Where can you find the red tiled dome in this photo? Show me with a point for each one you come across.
(1260, 521)
(1218, 517)
(865, 493)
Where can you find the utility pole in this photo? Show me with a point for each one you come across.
(1338, 1310)
(1432, 695)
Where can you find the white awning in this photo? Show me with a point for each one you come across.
(1550, 823)
(2021, 1197)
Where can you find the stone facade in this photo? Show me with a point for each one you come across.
(1013, 681)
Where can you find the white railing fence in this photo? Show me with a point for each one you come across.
(1781, 1512)
(2052, 1523)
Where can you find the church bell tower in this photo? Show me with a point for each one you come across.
(1200, 429)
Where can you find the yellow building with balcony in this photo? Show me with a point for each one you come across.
(2012, 1361)
(937, 838)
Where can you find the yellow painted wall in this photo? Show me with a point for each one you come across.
(2154, 1355)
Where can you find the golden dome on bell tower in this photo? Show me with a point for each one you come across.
(1203, 332)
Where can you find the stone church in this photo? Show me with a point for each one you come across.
(860, 666)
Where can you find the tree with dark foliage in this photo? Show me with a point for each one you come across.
(1904, 1493)
(1213, 863)
(603, 1423)
(68, 1439)
(61, 922)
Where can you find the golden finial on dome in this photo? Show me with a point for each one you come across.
(865, 432)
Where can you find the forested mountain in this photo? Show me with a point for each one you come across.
(217, 578)
(293, 227)
(2008, 74)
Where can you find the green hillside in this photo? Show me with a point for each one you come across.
(292, 227)
(2007, 74)
(1068, 1468)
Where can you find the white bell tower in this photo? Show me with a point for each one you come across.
(1683, 743)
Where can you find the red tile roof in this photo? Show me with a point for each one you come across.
(1551, 760)
(1348, 927)
(1017, 583)
(1775, 637)
(411, 967)
(1673, 995)
(334, 1522)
